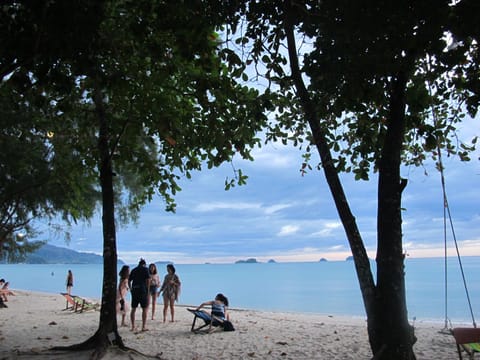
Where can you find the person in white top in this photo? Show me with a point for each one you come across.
(154, 287)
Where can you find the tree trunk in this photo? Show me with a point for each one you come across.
(360, 256)
(391, 336)
(107, 332)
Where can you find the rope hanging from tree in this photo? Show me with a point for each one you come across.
(447, 214)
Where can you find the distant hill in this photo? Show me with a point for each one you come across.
(49, 254)
(248, 261)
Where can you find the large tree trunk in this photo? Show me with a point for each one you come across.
(107, 332)
(390, 335)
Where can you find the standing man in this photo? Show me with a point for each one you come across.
(139, 283)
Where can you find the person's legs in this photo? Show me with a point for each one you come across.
(144, 318)
(172, 309)
(165, 307)
(154, 300)
(144, 304)
(132, 317)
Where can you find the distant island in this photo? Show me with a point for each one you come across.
(248, 261)
(350, 258)
(271, 261)
(163, 262)
(50, 254)
(323, 260)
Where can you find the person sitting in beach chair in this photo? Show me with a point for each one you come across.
(2, 303)
(218, 318)
(4, 290)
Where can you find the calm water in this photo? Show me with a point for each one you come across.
(326, 287)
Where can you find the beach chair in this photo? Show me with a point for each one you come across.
(71, 304)
(468, 340)
(78, 304)
(84, 304)
(210, 322)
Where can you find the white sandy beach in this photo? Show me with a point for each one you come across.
(35, 322)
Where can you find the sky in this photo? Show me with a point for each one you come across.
(287, 217)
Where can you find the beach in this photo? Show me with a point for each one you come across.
(34, 322)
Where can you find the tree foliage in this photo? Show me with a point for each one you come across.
(147, 95)
(371, 86)
(37, 182)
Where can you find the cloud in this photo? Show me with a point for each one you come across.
(276, 156)
(276, 208)
(328, 229)
(213, 206)
(281, 215)
(288, 230)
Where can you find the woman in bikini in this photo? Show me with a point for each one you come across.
(170, 291)
(122, 304)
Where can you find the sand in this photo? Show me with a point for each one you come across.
(35, 322)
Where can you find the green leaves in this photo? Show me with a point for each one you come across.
(350, 55)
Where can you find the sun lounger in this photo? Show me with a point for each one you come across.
(85, 305)
(78, 304)
(468, 340)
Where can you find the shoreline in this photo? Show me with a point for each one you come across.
(35, 321)
(281, 287)
(354, 317)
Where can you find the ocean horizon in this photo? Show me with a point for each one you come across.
(325, 287)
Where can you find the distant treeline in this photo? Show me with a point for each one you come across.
(49, 254)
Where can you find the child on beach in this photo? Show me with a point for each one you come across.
(122, 307)
(170, 291)
(154, 285)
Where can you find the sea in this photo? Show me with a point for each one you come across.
(329, 288)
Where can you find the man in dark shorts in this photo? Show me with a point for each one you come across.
(139, 282)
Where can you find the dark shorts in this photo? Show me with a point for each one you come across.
(153, 289)
(139, 296)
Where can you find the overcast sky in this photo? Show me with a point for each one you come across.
(285, 216)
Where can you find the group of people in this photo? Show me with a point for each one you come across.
(145, 286)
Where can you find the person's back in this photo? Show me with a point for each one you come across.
(218, 309)
(139, 280)
(138, 277)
